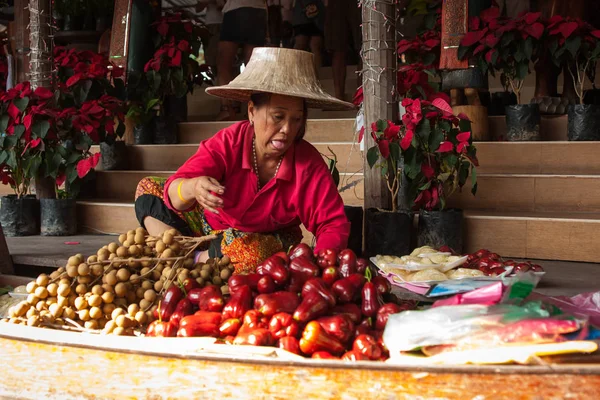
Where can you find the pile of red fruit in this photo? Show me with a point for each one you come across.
(327, 305)
(492, 264)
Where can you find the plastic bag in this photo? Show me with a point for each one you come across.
(411, 330)
(584, 305)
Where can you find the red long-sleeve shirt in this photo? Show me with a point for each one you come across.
(302, 192)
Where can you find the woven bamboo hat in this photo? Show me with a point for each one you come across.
(281, 71)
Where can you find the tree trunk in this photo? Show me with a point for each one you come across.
(21, 40)
(40, 43)
(45, 188)
(379, 79)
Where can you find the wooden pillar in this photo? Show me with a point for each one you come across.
(6, 264)
(379, 83)
(40, 43)
(21, 40)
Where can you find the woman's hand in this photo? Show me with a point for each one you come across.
(203, 186)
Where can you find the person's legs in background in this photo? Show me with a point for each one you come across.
(226, 55)
(316, 47)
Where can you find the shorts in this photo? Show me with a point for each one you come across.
(342, 27)
(309, 30)
(245, 25)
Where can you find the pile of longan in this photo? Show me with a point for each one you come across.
(116, 290)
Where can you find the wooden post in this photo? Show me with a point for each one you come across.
(379, 82)
(40, 43)
(6, 264)
(21, 40)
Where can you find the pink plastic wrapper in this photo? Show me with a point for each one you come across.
(584, 305)
(486, 296)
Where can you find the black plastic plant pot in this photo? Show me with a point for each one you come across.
(473, 78)
(499, 101)
(355, 216)
(144, 133)
(523, 123)
(176, 107)
(58, 217)
(441, 228)
(584, 122)
(388, 232)
(166, 130)
(20, 217)
(114, 156)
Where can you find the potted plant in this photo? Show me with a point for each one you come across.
(24, 116)
(171, 73)
(575, 44)
(85, 76)
(439, 156)
(389, 231)
(506, 45)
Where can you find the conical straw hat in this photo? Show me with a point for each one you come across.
(280, 71)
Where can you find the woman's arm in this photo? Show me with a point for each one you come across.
(184, 193)
(322, 209)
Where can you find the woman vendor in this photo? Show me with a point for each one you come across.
(256, 181)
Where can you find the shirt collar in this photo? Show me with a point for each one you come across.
(287, 164)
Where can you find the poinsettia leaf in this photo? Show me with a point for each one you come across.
(71, 173)
(19, 131)
(21, 104)
(11, 161)
(3, 156)
(395, 153)
(373, 156)
(424, 130)
(33, 165)
(528, 48)
(384, 168)
(519, 55)
(425, 186)
(442, 203)
(522, 70)
(462, 52)
(444, 177)
(473, 181)
(381, 125)
(436, 138)
(421, 91)
(412, 166)
(10, 141)
(451, 161)
(573, 44)
(507, 39)
(429, 58)
(40, 128)
(4, 123)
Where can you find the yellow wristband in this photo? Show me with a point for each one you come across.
(179, 192)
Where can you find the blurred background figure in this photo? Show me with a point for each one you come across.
(309, 24)
(213, 20)
(244, 27)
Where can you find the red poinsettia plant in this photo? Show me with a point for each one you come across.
(437, 150)
(574, 43)
(502, 44)
(26, 117)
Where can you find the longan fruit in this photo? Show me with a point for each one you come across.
(108, 297)
(128, 242)
(200, 281)
(120, 302)
(108, 288)
(133, 309)
(158, 285)
(146, 285)
(122, 238)
(148, 251)
(54, 275)
(62, 301)
(217, 281)
(156, 275)
(168, 253)
(167, 285)
(183, 275)
(33, 320)
(194, 274)
(139, 293)
(94, 300)
(111, 278)
(122, 251)
(120, 289)
(32, 311)
(92, 324)
(68, 312)
(133, 263)
(112, 256)
(96, 313)
(204, 274)
(74, 260)
(108, 308)
(134, 279)
(31, 286)
(65, 281)
(118, 331)
(112, 247)
(225, 274)
(72, 271)
(160, 246)
(92, 259)
(84, 279)
(32, 299)
(131, 297)
(97, 269)
(122, 321)
(84, 314)
(167, 238)
(97, 289)
(41, 292)
(175, 247)
(139, 238)
(109, 327)
(140, 317)
(81, 303)
(56, 310)
(103, 254)
(83, 269)
(145, 304)
(52, 289)
(81, 288)
(116, 312)
(150, 295)
(42, 280)
(41, 305)
(224, 290)
(188, 263)
(123, 275)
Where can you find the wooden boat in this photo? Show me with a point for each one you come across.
(43, 363)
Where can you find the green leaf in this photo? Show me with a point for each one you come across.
(522, 71)
(10, 141)
(442, 203)
(71, 173)
(373, 156)
(573, 45)
(53, 161)
(19, 131)
(382, 124)
(395, 152)
(436, 139)
(473, 181)
(462, 52)
(464, 125)
(444, 177)
(4, 123)
(424, 130)
(425, 186)
(421, 91)
(528, 48)
(3, 156)
(32, 166)
(507, 39)
(451, 161)
(151, 104)
(429, 58)
(12, 159)
(40, 128)
(519, 55)
(21, 104)
(412, 166)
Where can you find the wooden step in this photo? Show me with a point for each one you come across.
(560, 158)
(545, 236)
(552, 127)
(576, 193)
(121, 185)
(536, 235)
(318, 130)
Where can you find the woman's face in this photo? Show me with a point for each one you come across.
(277, 123)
